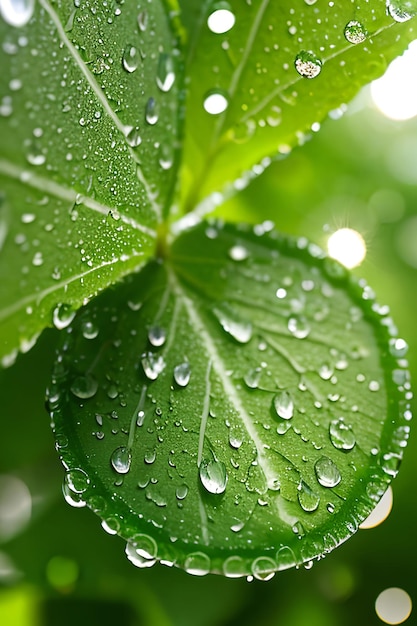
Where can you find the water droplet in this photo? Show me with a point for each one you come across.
(325, 371)
(111, 525)
(327, 472)
(166, 156)
(71, 497)
(308, 64)
(240, 330)
(182, 374)
(133, 137)
(89, 329)
(234, 567)
(77, 480)
(252, 377)
(309, 501)
(299, 327)
(284, 405)
(130, 59)
(235, 437)
(157, 336)
(181, 492)
(121, 460)
(165, 75)
(35, 155)
(143, 21)
(355, 32)
(341, 435)
(374, 385)
(221, 21)
(263, 568)
(152, 364)
(17, 12)
(285, 557)
(238, 253)
(213, 476)
(84, 386)
(401, 10)
(151, 111)
(215, 102)
(197, 564)
(398, 347)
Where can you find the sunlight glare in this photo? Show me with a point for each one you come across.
(347, 246)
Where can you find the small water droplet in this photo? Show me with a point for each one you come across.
(252, 377)
(325, 371)
(152, 364)
(197, 564)
(309, 501)
(341, 435)
(151, 112)
(298, 327)
(308, 64)
(234, 567)
(166, 156)
(133, 137)
(165, 75)
(89, 329)
(143, 20)
(263, 568)
(240, 330)
(182, 374)
(17, 12)
(35, 155)
(150, 457)
(215, 102)
(374, 385)
(221, 20)
(77, 480)
(327, 472)
(84, 386)
(130, 58)
(121, 459)
(398, 347)
(157, 336)
(213, 476)
(284, 405)
(401, 10)
(71, 497)
(355, 32)
(181, 492)
(238, 253)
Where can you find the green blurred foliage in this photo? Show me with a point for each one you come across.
(62, 568)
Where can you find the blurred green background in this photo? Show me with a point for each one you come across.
(58, 567)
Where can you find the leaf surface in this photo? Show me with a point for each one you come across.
(238, 407)
(89, 125)
(252, 68)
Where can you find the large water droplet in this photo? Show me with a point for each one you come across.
(165, 75)
(152, 364)
(309, 501)
(121, 460)
(215, 102)
(401, 10)
(341, 435)
(77, 480)
(234, 567)
(151, 111)
(264, 568)
(355, 32)
(130, 60)
(213, 476)
(157, 336)
(17, 12)
(71, 497)
(182, 374)
(197, 564)
(327, 472)
(307, 64)
(241, 330)
(284, 405)
(62, 315)
(84, 386)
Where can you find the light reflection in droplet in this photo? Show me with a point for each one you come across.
(380, 512)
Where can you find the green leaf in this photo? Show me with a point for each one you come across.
(271, 107)
(89, 124)
(237, 407)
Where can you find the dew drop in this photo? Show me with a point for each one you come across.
(213, 476)
(239, 329)
(181, 492)
(62, 315)
(182, 374)
(308, 500)
(121, 459)
(401, 10)
(89, 329)
(325, 371)
(307, 64)
(166, 156)
(355, 32)
(77, 480)
(133, 137)
(84, 386)
(35, 156)
(157, 336)
(221, 21)
(71, 497)
(398, 347)
(197, 564)
(238, 253)
(130, 60)
(263, 568)
(17, 12)
(252, 377)
(341, 435)
(151, 112)
(152, 365)
(298, 327)
(143, 21)
(327, 472)
(284, 405)
(165, 75)
(215, 103)
(234, 567)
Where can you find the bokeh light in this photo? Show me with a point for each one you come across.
(347, 246)
(393, 605)
(380, 512)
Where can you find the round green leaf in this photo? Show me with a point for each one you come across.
(238, 406)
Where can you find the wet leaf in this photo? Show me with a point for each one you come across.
(240, 406)
(263, 74)
(89, 124)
